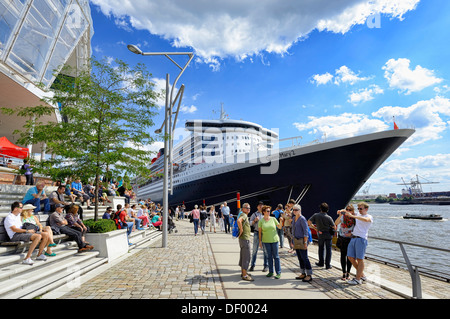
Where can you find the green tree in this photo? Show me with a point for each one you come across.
(106, 114)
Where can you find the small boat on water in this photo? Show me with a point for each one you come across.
(429, 217)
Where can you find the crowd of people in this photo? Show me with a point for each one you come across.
(271, 226)
(21, 224)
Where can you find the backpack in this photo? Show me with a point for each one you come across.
(235, 231)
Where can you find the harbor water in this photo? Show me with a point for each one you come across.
(389, 224)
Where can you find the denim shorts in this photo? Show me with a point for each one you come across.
(357, 248)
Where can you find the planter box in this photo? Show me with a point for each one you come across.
(111, 245)
(115, 201)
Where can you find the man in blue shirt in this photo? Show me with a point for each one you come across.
(226, 217)
(36, 196)
(77, 189)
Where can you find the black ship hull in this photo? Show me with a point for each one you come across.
(329, 172)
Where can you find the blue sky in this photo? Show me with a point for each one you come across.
(309, 69)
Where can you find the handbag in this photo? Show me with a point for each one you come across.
(299, 244)
(339, 242)
(29, 226)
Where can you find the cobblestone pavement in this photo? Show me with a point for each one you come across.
(187, 269)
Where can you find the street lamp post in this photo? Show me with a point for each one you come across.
(168, 129)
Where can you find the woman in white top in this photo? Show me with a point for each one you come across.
(212, 218)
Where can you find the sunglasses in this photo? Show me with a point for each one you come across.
(296, 209)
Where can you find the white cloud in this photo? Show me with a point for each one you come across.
(339, 126)
(241, 29)
(400, 76)
(427, 117)
(364, 95)
(188, 109)
(433, 168)
(345, 75)
(322, 78)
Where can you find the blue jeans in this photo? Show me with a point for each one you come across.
(226, 221)
(129, 229)
(37, 203)
(305, 265)
(273, 257)
(281, 236)
(255, 251)
(196, 225)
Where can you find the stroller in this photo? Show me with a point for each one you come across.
(171, 225)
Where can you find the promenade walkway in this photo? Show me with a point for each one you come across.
(206, 267)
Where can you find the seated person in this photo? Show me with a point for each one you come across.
(36, 196)
(13, 226)
(143, 215)
(156, 220)
(69, 193)
(107, 214)
(31, 222)
(59, 225)
(57, 197)
(125, 220)
(133, 214)
(74, 222)
(77, 189)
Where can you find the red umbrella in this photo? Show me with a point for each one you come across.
(8, 148)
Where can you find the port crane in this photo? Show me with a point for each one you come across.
(414, 188)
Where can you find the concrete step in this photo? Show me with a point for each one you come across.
(38, 280)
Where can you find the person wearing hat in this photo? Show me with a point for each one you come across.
(30, 221)
(13, 226)
(59, 224)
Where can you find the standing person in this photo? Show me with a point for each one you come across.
(324, 225)
(195, 217)
(288, 215)
(346, 225)
(203, 217)
(268, 236)
(226, 217)
(28, 172)
(277, 214)
(254, 219)
(356, 249)
(300, 237)
(13, 227)
(220, 219)
(212, 218)
(244, 242)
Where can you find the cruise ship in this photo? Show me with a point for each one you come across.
(219, 159)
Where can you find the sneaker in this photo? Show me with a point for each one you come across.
(28, 261)
(364, 278)
(354, 281)
(41, 257)
(252, 268)
(270, 274)
(278, 276)
(265, 269)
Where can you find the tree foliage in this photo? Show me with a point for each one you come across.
(106, 114)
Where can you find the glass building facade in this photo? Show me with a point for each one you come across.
(38, 37)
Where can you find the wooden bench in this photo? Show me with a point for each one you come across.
(21, 246)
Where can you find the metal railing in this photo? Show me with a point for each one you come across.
(413, 269)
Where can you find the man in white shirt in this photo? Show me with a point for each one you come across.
(13, 227)
(357, 247)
